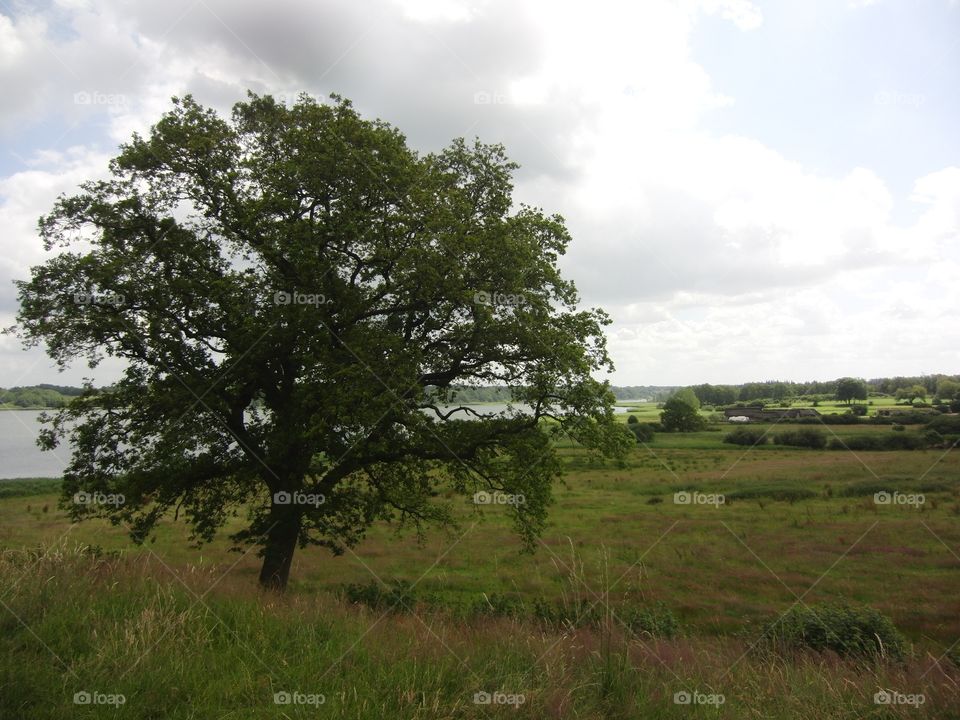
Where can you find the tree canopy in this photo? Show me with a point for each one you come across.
(850, 389)
(681, 412)
(296, 294)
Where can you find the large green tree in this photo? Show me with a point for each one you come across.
(295, 291)
(681, 412)
(850, 389)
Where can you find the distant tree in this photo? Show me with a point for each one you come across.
(780, 391)
(909, 394)
(681, 412)
(295, 293)
(947, 389)
(850, 389)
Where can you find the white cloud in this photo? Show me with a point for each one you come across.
(706, 247)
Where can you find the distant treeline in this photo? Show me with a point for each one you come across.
(720, 395)
(497, 393)
(778, 390)
(39, 396)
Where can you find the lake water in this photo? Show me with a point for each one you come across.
(19, 455)
(21, 458)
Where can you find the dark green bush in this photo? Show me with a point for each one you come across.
(631, 419)
(904, 441)
(643, 432)
(904, 417)
(897, 441)
(865, 488)
(829, 419)
(804, 437)
(847, 631)
(499, 605)
(856, 442)
(398, 596)
(745, 436)
(657, 620)
(945, 424)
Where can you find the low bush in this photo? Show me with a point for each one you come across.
(829, 419)
(804, 437)
(867, 488)
(945, 424)
(904, 417)
(847, 631)
(398, 596)
(643, 432)
(894, 441)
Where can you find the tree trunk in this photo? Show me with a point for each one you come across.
(278, 553)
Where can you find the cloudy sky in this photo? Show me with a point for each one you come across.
(755, 190)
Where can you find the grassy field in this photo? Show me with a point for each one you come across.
(646, 597)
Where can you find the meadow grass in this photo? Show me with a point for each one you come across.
(81, 605)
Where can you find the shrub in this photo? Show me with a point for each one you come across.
(499, 605)
(858, 410)
(632, 419)
(847, 631)
(904, 441)
(804, 437)
(895, 441)
(657, 621)
(745, 436)
(867, 488)
(904, 417)
(399, 596)
(847, 418)
(932, 437)
(643, 432)
(899, 428)
(945, 424)
(829, 419)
